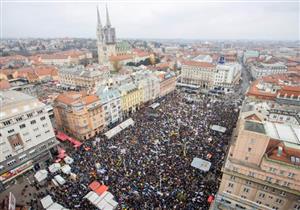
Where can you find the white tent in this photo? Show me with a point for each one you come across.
(46, 201)
(112, 132)
(201, 164)
(54, 167)
(66, 169)
(68, 160)
(103, 202)
(218, 128)
(60, 180)
(55, 182)
(55, 206)
(154, 106)
(41, 175)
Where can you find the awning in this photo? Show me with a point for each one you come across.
(61, 136)
(94, 185)
(114, 131)
(201, 164)
(100, 190)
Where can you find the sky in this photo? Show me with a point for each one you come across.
(153, 19)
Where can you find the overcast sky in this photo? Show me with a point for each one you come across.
(190, 20)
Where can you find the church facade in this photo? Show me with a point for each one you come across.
(106, 39)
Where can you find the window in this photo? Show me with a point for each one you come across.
(259, 202)
(269, 179)
(22, 126)
(230, 185)
(246, 190)
(248, 182)
(19, 119)
(249, 149)
(261, 195)
(47, 131)
(43, 118)
(246, 158)
(12, 162)
(45, 125)
(37, 136)
(291, 175)
(242, 196)
(232, 177)
(40, 112)
(32, 122)
(8, 156)
(297, 207)
(28, 140)
(251, 173)
(282, 193)
(273, 170)
(10, 131)
(278, 201)
(30, 115)
(35, 129)
(6, 123)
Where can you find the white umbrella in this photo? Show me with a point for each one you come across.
(54, 167)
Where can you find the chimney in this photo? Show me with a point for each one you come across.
(279, 151)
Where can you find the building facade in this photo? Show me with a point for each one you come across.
(167, 82)
(84, 77)
(259, 70)
(79, 115)
(198, 73)
(106, 39)
(227, 74)
(149, 83)
(262, 169)
(111, 103)
(26, 134)
(131, 98)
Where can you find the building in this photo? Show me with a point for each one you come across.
(26, 134)
(64, 58)
(111, 102)
(197, 73)
(79, 114)
(106, 39)
(149, 83)
(167, 82)
(227, 74)
(277, 97)
(123, 48)
(260, 69)
(262, 169)
(250, 54)
(131, 98)
(84, 77)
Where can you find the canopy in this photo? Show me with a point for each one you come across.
(56, 206)
(46, 201)
(201, 164)
(112, 132)
(100, 190)
(60, 180)
(94, 185)
(103, 202)
(218, 128)
(154, 105)
(68, 160)
(41, 175)
(61, 136)
(66, 169)
(54, 167)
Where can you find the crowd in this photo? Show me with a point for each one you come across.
(148, 165)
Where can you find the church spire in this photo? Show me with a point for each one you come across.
(98, 18)
(107, 18)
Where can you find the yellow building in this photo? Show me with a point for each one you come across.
(79, 114)
(262, 169)
(131, 98)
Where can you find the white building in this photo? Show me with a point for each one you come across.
(149, 83)
(259, 70)
(227, 74)
(26, 134)
(111, 101)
